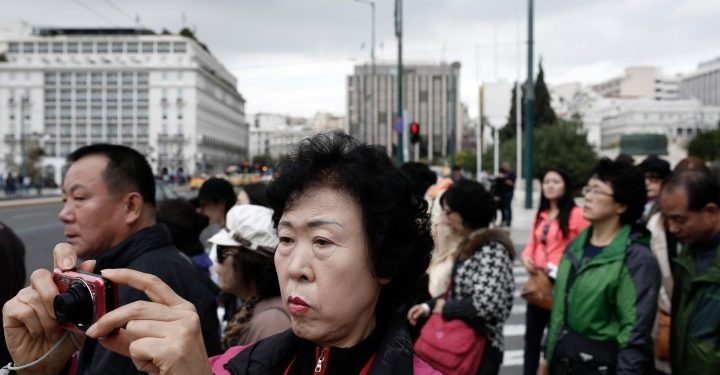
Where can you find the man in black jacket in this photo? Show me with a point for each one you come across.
(109, 217)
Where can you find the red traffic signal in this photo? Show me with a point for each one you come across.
(414, 132)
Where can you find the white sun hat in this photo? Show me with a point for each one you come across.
(250, 227)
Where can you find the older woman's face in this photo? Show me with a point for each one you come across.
(323, 265)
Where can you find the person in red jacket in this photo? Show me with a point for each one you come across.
(557, 222)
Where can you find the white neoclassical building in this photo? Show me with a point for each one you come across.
(163, 94)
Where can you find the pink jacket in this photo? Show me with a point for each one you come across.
(552, 251)
(218, 363)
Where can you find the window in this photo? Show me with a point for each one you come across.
(147, 47)
(164, 47)
(72, 47)
(179, 47)
(81, 78)
(132, 47)
(28, 47)
(102, 47)
(112, 79)
(65, 79)
(50, 78)
(142, 78)
(87, 47)
(127, 79)
(13, 48)
(43, 47)
(96, 129)
(117, 47)
(57, 47)
(97, 79)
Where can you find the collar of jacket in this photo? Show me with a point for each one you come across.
(612, 252)
(273, 354)
(686, 262)
(480, 237)
(147, 239)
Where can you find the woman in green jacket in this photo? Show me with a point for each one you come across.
(606, 290)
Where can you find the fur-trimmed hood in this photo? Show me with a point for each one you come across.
(475, 240)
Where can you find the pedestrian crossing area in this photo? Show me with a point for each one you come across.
(514, 329)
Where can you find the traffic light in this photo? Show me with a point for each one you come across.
(414, 132)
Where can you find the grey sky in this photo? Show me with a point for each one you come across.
(292, 56)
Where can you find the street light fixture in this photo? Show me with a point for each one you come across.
(363, 126)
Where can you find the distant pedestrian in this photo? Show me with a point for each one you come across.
(690, 203)
(557, 222)
(10, 185)
(481, 292)
(12, 269)
(185, 225)
(606, 290)
(655, 170)
(456, 173)
(505, 188)
(664, 246)
(255, 193)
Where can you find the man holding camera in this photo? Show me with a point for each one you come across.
(109, 220)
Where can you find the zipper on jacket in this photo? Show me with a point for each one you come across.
(320, 366)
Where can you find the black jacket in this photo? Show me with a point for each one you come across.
(150, 251)
(273, 354)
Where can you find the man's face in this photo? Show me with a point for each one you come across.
(94, 218)
(653, 183)
(688, 226)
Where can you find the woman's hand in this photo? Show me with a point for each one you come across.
(528, 263)
(162, 336)
(29, 319)
(416, 312)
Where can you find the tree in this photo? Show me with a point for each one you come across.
(553, 145)
(706, 145)
(544, 113)
(466, 160)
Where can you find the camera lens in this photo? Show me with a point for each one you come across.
(75, 305)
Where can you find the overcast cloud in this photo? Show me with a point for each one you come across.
(293, 56)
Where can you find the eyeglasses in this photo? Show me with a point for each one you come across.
(594, 191)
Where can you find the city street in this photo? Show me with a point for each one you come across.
(39, 228)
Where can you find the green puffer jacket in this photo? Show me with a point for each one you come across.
(695, 327)
(613, 297)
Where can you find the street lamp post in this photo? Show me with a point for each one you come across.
(368, 122)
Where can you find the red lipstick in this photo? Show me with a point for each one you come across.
(297, 306)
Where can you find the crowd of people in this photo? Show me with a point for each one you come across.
(347, 264)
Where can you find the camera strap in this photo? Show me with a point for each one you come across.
(9, 367)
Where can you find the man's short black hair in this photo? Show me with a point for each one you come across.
(127, 169)
(216, 190)
(628, 184)
(655, 166)
(700, 187)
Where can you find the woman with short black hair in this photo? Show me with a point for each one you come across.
(482, 283)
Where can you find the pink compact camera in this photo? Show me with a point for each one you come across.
(84, 298)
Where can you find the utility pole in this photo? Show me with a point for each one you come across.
(529, 113)
(369, 124)
(479, 135)
(398, 34)
(518, 114)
